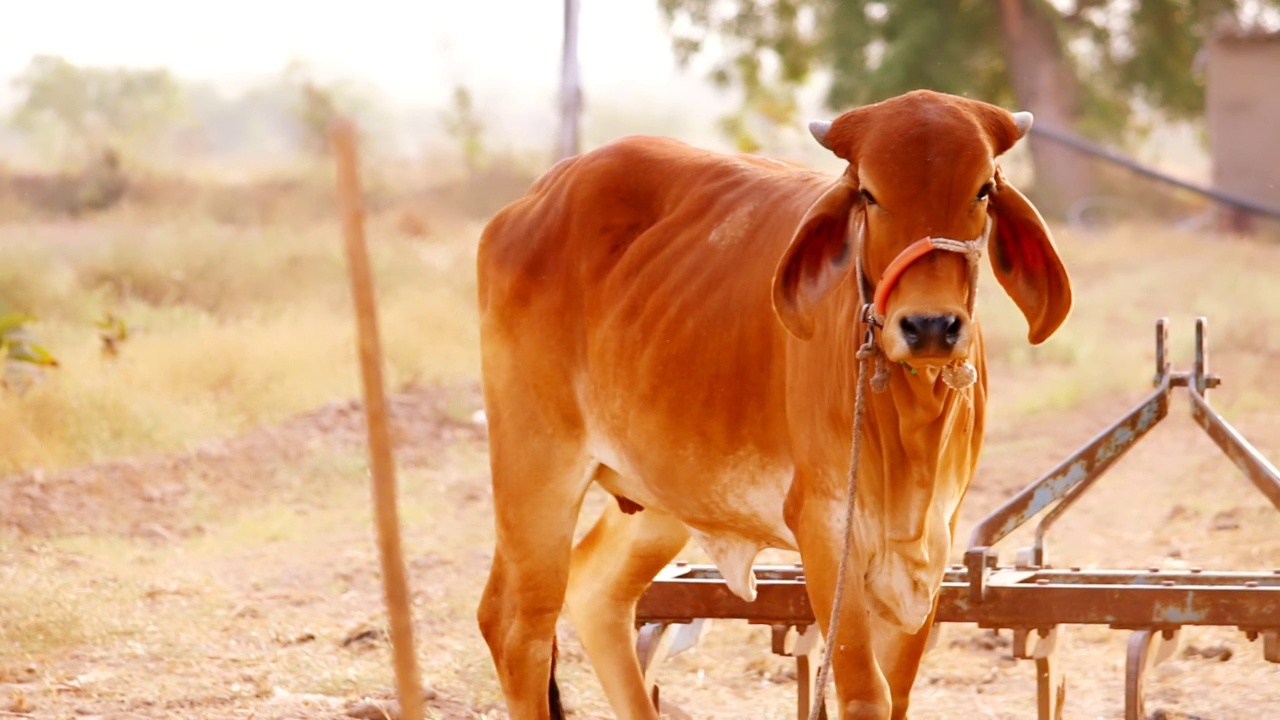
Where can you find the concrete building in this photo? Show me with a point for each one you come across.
(1242, 102)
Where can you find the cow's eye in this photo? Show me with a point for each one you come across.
(984, 192)
(868, 197)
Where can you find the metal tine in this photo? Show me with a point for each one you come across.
(1246, 457)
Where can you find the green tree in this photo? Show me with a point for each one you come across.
(316, 103)
(462, 123)
(75, 110)
(21, 357)
(1082, 65)
(317, 109)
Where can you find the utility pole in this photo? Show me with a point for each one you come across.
(567, 141)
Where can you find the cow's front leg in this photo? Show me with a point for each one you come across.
(818, 523)
(899, 655)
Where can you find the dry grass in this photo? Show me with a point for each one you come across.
(234, 326)
(237, 326)
(278, 602)
(230, 328)
(1125, 279)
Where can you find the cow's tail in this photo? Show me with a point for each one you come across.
(553, 691)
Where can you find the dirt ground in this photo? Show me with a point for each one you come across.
(233, 610)
(239, 580)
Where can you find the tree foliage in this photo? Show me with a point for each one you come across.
(1123, 52)
(22, 358)
(463, 124)
(78, 110)
(316, 102)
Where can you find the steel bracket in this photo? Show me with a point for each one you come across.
(1059, 489)
(1030, 597)
(1271, 645)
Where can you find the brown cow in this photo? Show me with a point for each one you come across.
(680, 327)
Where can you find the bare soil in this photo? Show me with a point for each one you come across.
(243, 583)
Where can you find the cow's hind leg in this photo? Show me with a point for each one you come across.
(611, 568)
(538, 483)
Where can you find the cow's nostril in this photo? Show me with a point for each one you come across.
(931, 333)
(910, 329)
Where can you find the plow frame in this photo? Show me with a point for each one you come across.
(1030, 598)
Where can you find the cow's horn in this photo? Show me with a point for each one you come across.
(1022, 120)
(819, 129)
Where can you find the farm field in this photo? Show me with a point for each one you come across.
(185, 529)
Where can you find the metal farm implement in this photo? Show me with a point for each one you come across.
(1030, 598)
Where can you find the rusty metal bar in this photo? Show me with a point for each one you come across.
(1154, 603)
(1014, 598)
(1162, 377)
(1255, 467)
(1034, 599)
(1038, 644)
(1050, 690)
(1201, 378)
(804, 697)
(1083, 467)
(1075, 142)
(698, 591)
(1120, 600)
(1251, 463)
(1147, 647)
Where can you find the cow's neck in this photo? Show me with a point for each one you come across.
(918, 454)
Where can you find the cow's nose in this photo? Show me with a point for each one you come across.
(931, 334)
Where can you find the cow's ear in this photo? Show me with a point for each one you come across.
(817, 259)
(1026, 262)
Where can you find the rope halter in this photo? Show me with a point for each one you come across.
(958, 375)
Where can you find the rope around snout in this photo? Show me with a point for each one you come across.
(957, 376)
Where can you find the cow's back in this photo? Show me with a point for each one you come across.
(632, 286)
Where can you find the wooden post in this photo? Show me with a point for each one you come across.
(568, 142)
(343, 137)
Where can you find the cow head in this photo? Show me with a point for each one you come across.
(922, 165)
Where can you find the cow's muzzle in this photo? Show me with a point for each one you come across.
(931, 335)
(937, 337)
(971, 249)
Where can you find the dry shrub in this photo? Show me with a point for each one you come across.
(229, 328)
(486, 191)
(99, 185)
(42, 609)
(1124, 278)
(223, 270)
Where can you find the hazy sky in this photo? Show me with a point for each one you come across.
(507, 52)
(415, 50)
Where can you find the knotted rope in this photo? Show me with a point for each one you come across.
(957, 376)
